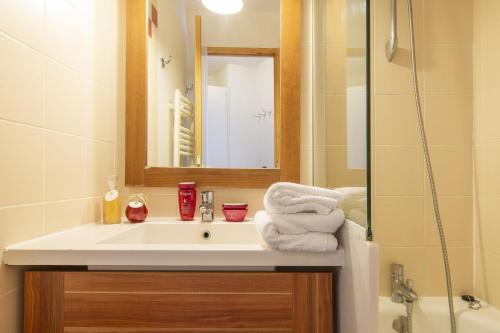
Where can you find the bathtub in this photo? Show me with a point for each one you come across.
(430, 315)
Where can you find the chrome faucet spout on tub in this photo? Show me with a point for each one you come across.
(402, 292)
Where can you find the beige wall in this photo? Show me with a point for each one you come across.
(58, 85)
(402, 211)
(487, 149)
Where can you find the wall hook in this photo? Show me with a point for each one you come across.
(166, 62)
(189, 88)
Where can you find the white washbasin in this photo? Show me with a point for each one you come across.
(161, 244)
(188, 233)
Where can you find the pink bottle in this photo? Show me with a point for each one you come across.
(187, 200)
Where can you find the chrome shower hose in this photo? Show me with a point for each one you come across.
(430, 173)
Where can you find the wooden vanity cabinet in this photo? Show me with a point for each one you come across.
(188, 302)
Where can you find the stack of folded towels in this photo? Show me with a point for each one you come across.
(300, 218)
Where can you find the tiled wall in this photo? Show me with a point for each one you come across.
(403, 218)
(487, 149)
(58, 86)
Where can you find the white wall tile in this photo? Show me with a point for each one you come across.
(63, 215)
(17, 224)
(24, 20)
(21, 82)
(65, 100)
(11, 316)
(100, 167)
(21, 178)
(64, 166)
(99, 104)
(65, 35)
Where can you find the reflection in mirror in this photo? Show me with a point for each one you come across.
(238, 112)
(339, 101)
(213, 85)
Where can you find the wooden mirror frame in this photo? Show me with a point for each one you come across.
(137, 173)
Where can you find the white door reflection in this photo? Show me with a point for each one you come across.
(238, 109)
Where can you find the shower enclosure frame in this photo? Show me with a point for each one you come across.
(369, 230)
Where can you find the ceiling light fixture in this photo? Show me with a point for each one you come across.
(223, 6)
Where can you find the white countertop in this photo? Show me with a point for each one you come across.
(162, 244)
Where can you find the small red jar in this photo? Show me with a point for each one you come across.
(136, 210)
(187, 200)
(235, 212)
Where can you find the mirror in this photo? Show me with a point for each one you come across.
(213, 85)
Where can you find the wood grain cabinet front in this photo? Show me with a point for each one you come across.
(145, 302)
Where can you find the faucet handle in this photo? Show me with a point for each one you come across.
(397, 272)
(205, 210)
(207, 196)
(409, 284)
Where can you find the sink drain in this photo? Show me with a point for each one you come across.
(206, 235)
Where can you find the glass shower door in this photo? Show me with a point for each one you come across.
(339, 55)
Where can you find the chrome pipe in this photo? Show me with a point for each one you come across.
(392, 44)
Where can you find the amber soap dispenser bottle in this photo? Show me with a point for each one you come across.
(111, 207)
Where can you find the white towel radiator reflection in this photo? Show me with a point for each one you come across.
(183, 129)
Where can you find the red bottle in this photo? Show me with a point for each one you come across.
(137, 210)
(187, 200)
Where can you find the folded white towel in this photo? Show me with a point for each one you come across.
(300, 232)
(289, 198)
(353, 198)
(301, 223)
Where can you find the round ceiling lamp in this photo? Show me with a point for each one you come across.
(223, 6)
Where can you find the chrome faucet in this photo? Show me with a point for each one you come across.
(207, 206)
(402, 292)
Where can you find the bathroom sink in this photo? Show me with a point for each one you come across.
(162, 244)
(188, 233)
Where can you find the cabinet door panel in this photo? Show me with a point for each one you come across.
(198, 310)
(146, 302)
(179, 282)
(43, 302)
(313, 302)
(168, 330)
